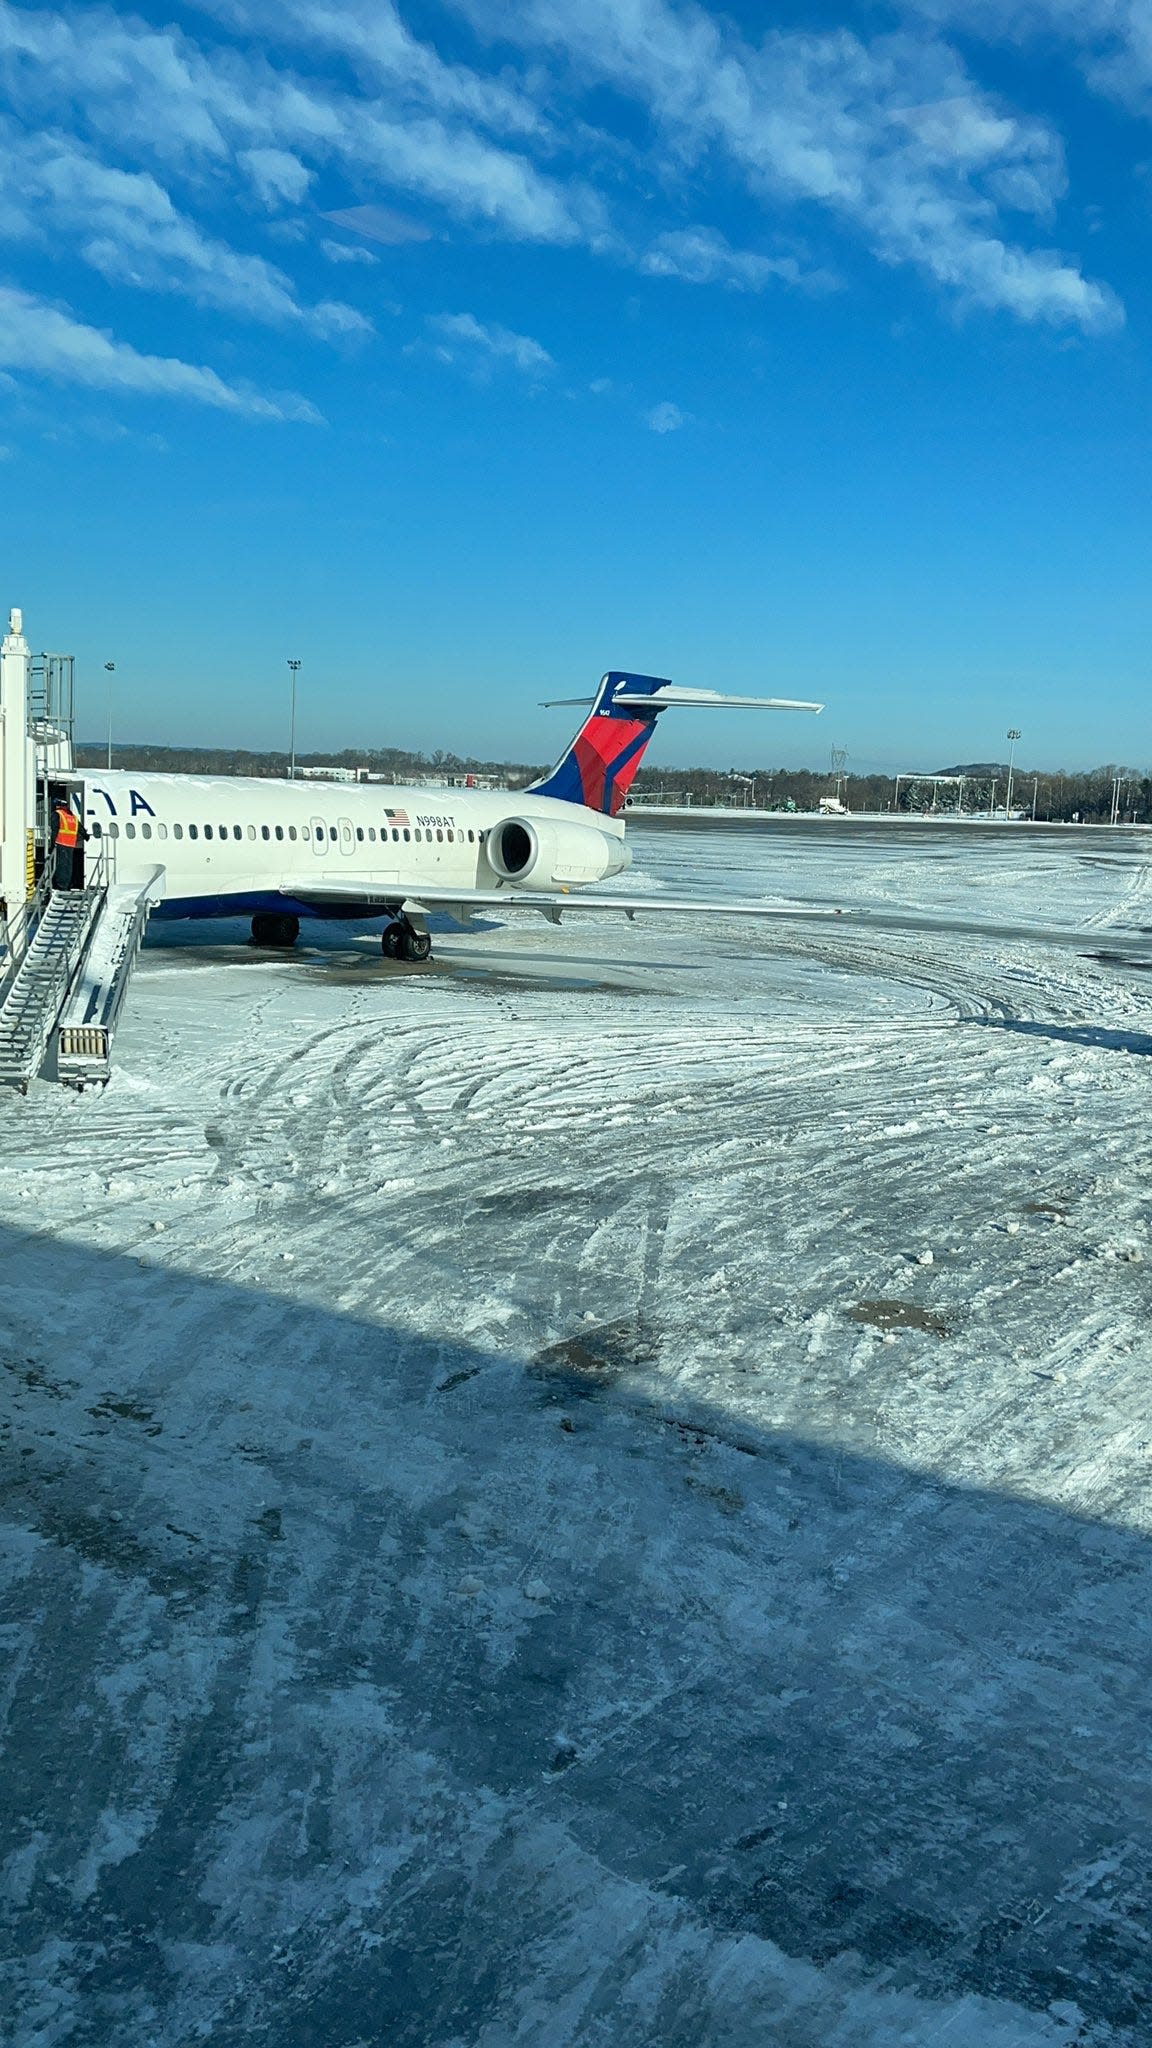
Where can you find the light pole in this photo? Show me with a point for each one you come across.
(1013, 736)
(293, 665)
(110, 666)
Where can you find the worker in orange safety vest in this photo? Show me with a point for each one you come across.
(67, 847)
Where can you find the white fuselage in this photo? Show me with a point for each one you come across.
(231, 844)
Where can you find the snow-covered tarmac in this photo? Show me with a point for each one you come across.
(597, 1492)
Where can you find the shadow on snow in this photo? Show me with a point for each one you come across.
(364, 1689)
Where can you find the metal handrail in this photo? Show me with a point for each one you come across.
(19, 930)
(31, 916)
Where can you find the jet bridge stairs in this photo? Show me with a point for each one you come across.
(64, 976)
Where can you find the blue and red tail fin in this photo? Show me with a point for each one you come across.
(600, 766)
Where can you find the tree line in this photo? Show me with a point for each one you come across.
(1058, 795)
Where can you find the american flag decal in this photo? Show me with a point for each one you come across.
(396, 817)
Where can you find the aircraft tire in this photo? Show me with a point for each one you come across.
(275, 928)
(414, 945)
(390, 939)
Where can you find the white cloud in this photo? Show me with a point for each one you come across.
(700, 255)
(665, 418)
(279, 177)
(893, 136)
(207, 110)
(45, 340)
(1112, 38)
(331, 317)
(388, 56)
(346, 252)
(125, 225)
(462, 331)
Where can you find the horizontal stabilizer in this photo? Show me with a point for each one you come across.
(707, 700)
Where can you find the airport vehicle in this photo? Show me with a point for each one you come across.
(280, 851)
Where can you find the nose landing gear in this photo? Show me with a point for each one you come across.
(402, 941)
(275, 928)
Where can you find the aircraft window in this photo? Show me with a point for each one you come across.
(177, 831)
(161, 831)
(264, 832)
(360, 832)
(130, 831)
(97, 829)
(471, 835)
(407, 833)
(319, 832)
(305, 832)
(113, 831)
(207, 831)
(395, 832)
(332, 834)
(439, 835)
(372, 832)
(251, 831)
(221, 831)
(279, 831)
(145, 831)
(451, 837)
(237, 832)
(291, 831)
(193, 832)
(416, 833)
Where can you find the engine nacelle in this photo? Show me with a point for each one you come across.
(536, 854)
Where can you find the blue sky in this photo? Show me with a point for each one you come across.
(463, 352)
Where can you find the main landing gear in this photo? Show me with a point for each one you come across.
(402, 941)
(275, 928)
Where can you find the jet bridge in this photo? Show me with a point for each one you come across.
(66, 956)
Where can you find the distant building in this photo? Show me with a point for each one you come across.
(333, 774)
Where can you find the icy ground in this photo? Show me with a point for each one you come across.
(597, 1492)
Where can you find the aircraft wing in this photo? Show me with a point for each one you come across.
(552, 904)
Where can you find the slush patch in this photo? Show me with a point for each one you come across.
(528, 1201)
(457, 1379)
(594, 1360)
(900, 1315)
(127, 1411)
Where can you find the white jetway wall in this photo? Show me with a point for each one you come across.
(17, 771)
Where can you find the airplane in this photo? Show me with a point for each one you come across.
(281, 851)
